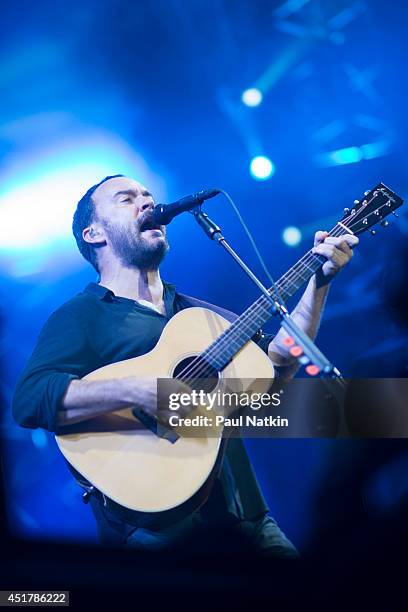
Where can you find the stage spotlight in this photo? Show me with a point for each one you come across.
(353, 155)
(37, 202)
(261, 168)
(252, 97)
(349, 155)
(291, 236)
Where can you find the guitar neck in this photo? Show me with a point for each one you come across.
(220, 353)
(297, 276)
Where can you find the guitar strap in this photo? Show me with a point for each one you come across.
(187, 301)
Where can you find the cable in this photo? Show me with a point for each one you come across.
(274, 287)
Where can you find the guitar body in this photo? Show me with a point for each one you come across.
(131, 465)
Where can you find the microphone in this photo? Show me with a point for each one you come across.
(164, 213)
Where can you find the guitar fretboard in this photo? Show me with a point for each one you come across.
(222, 350)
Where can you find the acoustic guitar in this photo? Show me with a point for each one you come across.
(147, 473)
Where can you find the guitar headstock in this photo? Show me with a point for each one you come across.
(373, 208)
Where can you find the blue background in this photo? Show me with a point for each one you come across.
(153, 90)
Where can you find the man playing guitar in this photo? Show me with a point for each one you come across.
(123, 316)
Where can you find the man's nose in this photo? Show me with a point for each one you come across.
(146, 205)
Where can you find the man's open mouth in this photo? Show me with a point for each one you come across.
(149, 224)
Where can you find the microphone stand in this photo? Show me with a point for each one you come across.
(309, 348)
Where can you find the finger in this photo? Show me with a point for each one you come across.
(324, 249)
(331, 253)
(320, 236)
(349, 239)
(340, 244)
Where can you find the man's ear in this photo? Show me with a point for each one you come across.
(93, 235)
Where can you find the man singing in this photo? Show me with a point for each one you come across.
(121, 317)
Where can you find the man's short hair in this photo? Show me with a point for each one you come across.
(83, 217)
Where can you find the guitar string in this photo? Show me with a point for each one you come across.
(257, 306)
(200, 366)
(222, 342)
(292, 272)
(253, 307)
(293, 275)
(205, 367)
(215, 352)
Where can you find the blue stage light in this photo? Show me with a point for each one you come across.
(375, 149)
(261, 168)
(38, 200)
(252, 97)
(291, 236)
(349, 155)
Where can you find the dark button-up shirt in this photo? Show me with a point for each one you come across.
(96, 328)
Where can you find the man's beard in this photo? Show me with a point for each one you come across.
(135, 251)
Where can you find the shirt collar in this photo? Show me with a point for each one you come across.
(104, 292)
(99, 290)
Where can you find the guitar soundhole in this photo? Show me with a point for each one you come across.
(197, 373)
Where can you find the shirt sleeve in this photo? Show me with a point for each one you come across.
(62, 353)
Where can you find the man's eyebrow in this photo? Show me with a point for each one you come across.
(133, 193)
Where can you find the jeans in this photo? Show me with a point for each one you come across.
(263, 534)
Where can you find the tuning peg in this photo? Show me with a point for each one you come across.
(356, 202)
(346, 211)
(384, 223)
(367, 192)
(395, 214)
(372, 232)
